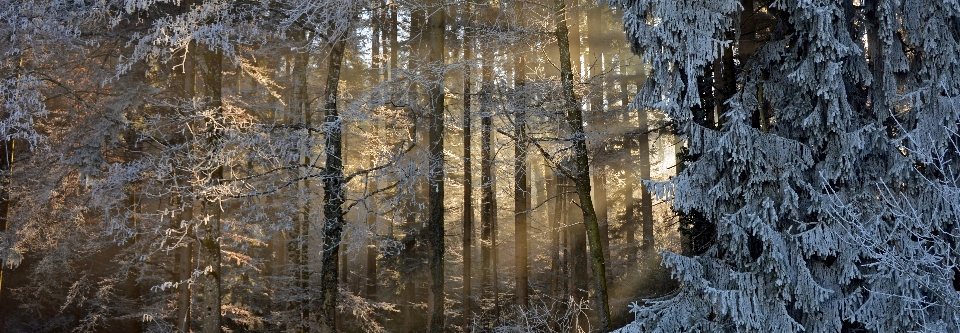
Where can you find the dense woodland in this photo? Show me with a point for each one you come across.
(318, 166)
(508, 166)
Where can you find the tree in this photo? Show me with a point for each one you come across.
(170, 159)
(807, 171)
(468, 214)
(436, 27)
(522, 195)
(581, 171)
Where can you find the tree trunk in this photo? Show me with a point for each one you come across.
(563, 264)
(467, 180)
(487, 206)
(185, 272)
(300, 237)
(435, 31)
(185, 254)
(333, 196)
(521, 190)
(581, 173)
(372, 252)
(131, 289)
(600, 193)
(553, 217)
(632, 213)
(210, 256)
(394, 42)
(646, 203)
(377, 60)
(597, 65)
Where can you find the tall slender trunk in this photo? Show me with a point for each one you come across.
(185, 255)
(553, 217)
(632, 214)
(597, 64)
(185, 271)
(581, 172)
(600, 193)
(333, 187)
(300, 237)
(131, 289)
(646, 203)
(372, 210)
(487, 205)
(414, 211)
(521, 190)
(209, 255)
(435, 30)
(394, 42)
(377, 59)
(563, 264)
(467, 178)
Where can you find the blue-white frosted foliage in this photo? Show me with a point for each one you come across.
(849, 199)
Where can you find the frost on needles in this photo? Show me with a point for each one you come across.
(828, 175)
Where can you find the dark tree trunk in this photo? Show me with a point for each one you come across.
(435, 227)
(333, 196)
(467, 179)
(185, 254)
(600, 193)
(581, 172)
(553, 218)
(377, 60)
(632, 212)
(487, 204)
(209, 255)
(646, 203)
(372, 252)
(184, 273)
(394, 42)
(300, 237)
(131, 288)
(521, 190)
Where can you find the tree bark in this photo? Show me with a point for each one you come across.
(600, 192)
(597, 63)
(435, 30)
(372, 251)
(581, 173)
(646, 203)
(553, 217)
(632, 213)
(377, 61)
(185, 254)
(210, 256)
(467, 179)
(333, 192)
(487, 205)
(299, 240)
(521, 190)
(394, 42)
(185, 271)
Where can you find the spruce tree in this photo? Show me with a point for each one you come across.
(827, 179)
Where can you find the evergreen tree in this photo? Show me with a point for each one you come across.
(826, 180)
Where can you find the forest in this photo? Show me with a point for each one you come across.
(479, 166)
